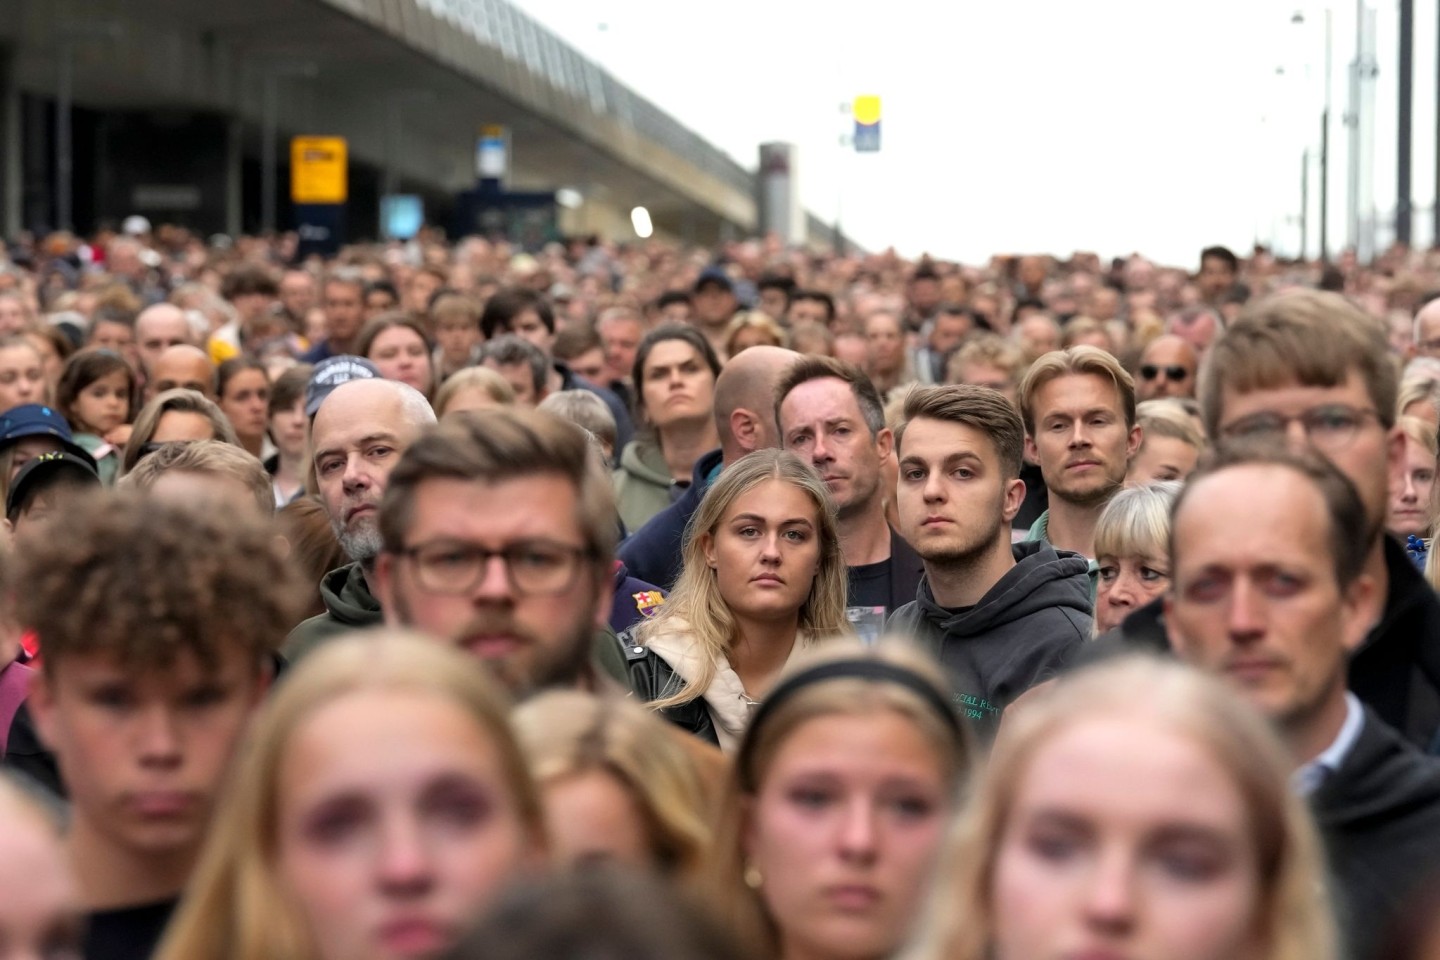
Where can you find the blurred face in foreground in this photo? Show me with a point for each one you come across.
(396, 824)
(1125, 839)
(844, 830)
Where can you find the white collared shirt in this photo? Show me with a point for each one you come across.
(1308, 778)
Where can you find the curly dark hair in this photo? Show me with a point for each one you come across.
(143, 580)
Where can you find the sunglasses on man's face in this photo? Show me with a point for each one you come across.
(1174, 373)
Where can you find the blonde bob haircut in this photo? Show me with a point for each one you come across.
(737, 905)
(1136, 522)
(567, 733)
(1079, 360)
(696, 608)
(235, 907)
(1292, 910)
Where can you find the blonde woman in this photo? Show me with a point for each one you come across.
(616, 784)
(1412, 508)
(763, 577)
(1170, 444)
(1132, 548)
(1136, 809)
(379, 804)
(837, 804)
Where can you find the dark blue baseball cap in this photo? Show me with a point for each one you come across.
(36, 420)
(330, 373)
(43, 470)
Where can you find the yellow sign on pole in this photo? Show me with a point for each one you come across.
(318, 170)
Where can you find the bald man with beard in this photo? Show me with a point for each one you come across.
(745, 421)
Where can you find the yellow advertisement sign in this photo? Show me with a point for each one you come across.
(867, 109)
(318, 170)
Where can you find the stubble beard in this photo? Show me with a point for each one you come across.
(537, 665)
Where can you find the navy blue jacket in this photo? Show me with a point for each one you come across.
(653, 552)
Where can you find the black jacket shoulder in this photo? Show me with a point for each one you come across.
(1379, 817)
(651, 679)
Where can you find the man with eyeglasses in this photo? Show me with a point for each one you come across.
(499, 537)
(1166, 369)
(1310, 370)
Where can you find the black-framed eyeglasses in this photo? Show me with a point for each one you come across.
(1173, 372)
(534, 567)
(1330, 427)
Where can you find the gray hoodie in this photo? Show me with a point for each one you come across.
(1022, 632)
(643, 486)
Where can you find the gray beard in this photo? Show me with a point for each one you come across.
(361, 545)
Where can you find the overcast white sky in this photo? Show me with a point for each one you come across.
(1015, 125)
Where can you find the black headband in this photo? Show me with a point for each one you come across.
(873, 671)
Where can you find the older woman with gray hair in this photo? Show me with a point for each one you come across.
(1132, 547)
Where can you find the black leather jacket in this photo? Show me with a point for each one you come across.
(651, 679)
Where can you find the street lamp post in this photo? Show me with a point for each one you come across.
(269, 134)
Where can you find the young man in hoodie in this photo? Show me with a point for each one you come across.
(1000, 617)
(360, 431)
(1270, 589)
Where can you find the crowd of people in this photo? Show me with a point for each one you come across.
(626, 600)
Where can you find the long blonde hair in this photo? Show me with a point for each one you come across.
(696, 607)
(735, 903)
(1293, 910)
(567, 733)
(235, 907)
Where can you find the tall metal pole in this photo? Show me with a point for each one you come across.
(1325, 155)
(1352, 125)
(1403, 147)
(1304, 202)
(64, 142)
(269, 121)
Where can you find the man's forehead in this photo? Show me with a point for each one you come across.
(1290, 396)
(447, 502)
(929, 438)
(1270, 501)
(154, 671)
(829, 395)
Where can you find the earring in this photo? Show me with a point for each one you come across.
(752, 876)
